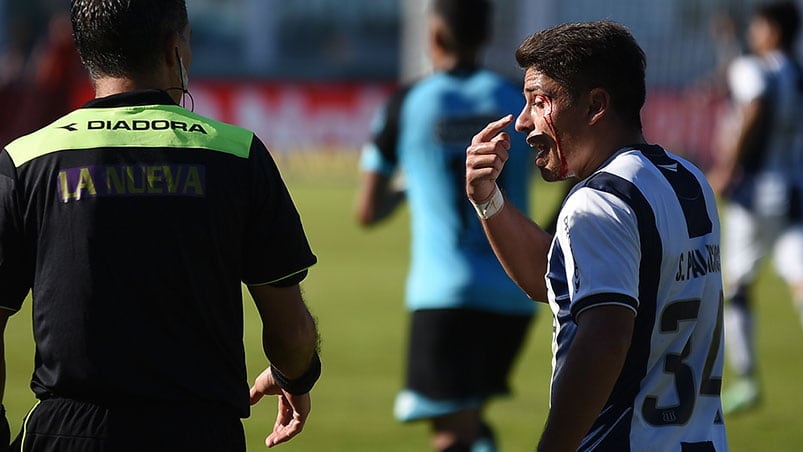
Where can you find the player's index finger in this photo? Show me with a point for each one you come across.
(492, 129)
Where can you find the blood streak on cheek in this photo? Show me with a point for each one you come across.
(564, 166)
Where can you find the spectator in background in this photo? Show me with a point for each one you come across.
(469, 320)
(59, 77)
(725, 32)
(13, 85)
(759, 172)
(43, 84)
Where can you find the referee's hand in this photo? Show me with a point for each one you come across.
(293, 410)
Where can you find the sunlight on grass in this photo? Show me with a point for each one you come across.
(355, 291)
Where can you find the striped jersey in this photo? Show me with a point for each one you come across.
(134, 222)
(424, 132)
(643, 232)
(773, 164)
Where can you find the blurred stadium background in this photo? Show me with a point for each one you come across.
(307, 76)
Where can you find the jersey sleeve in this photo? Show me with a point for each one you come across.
(16, 272)
(599, 237)
(276, 249)
(746, 79)
(380, 154)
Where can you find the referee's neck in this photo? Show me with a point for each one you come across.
(108, 86)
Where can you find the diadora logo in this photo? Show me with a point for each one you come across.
(138, 125)
(671, 167)
(70, 127)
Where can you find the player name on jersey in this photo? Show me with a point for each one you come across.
(695, 263)
(79, 183)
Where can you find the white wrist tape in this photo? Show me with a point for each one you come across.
(491, 207)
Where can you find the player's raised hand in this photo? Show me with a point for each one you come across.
(485, 158)
(293, 410)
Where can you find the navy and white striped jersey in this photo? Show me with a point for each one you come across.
(771, 167)
(643, 232)
(778, 80)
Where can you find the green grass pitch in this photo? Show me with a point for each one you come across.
(356, 293)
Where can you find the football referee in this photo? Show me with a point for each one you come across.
(134, 222)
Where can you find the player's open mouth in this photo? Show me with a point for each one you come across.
(542, 152)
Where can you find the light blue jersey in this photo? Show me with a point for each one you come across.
(424, 131)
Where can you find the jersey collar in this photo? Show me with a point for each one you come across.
(132, 99)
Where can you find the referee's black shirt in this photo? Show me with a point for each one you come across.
(134, 222)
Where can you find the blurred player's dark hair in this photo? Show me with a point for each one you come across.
(468, 23)
(784, 15)
(584, 56)
(124, 37)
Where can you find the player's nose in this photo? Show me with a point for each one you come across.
(524, 122)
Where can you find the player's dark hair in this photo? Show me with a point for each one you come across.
(468, 23)
(786, 16)
(124, 37)
(584, 56)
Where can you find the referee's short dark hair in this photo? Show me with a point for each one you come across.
(468, 22)
(588, 55)
(120, 38)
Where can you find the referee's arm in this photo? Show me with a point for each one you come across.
(290, 340)
(289, 334)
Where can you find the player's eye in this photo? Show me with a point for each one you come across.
(537, 103)
(542, 102)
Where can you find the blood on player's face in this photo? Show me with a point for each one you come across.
(537, 121)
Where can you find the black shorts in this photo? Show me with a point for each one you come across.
(66, 425)
(463, 354)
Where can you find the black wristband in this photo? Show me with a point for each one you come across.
(302, 384)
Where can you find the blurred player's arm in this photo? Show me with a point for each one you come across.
(744, 137)
(290, 341)
(755, 117)
(748, 141)
(377, 198)
(520, 245)
(599, 349)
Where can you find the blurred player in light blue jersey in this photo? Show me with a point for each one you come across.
(469, 320)
(760, 173)
(633, 274)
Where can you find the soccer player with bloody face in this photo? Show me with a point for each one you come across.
(632, 274)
